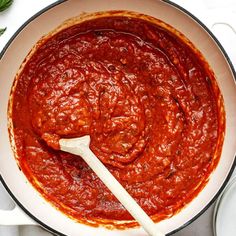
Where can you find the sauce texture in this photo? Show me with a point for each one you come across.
(146, 98)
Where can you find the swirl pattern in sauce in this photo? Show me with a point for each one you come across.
(145, 98)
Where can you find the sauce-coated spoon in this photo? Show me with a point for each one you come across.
(80, 146)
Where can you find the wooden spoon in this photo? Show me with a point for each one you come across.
(80, 146)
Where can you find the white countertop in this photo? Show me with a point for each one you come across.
(208, 11)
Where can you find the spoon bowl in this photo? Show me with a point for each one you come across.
(80, 146)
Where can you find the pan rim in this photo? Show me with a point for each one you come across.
(220, 47)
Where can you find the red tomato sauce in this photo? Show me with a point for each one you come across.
(146, 98)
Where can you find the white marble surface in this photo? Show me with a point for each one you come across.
(21, 10)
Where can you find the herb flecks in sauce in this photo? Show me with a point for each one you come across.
(145, 99)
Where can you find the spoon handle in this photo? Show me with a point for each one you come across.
(80, 146)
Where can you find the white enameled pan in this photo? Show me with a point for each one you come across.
(29, 200)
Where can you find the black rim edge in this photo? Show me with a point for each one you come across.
(234, 75)
(48, 228)
(58, 2)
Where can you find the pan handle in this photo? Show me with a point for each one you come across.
(16, 216)
(223, 25)
(220, 17)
